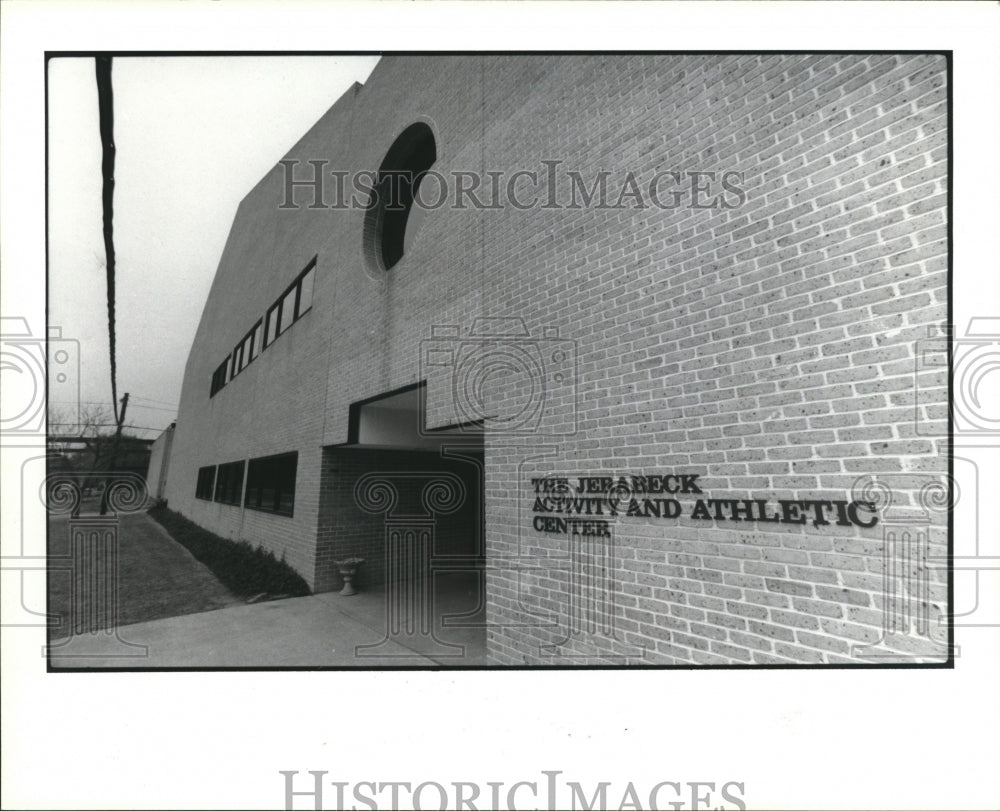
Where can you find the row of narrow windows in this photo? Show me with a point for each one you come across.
(388, 231)
(270, 483)
(291, 305)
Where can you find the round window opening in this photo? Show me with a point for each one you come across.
(392, 220)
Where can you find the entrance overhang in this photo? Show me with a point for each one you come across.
(396, 420)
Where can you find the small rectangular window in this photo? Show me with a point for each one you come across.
(206, 483)
(246, 350)
(252, 341)
(229, 483)
(237, 365)
(305, 292)
(287, 310)
(220, 377)
(271, 483)
(272, 325)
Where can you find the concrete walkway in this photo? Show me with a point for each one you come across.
(325, 630)
(157, 577)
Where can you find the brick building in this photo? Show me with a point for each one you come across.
(641, 356)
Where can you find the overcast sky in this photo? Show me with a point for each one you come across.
(193, 136)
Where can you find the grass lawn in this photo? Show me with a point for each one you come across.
(156, 578)
(246, 570)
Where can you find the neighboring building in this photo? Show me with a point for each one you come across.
(715, 345)
(102, 453)
(159, 463)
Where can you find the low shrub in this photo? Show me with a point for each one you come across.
(244, 569)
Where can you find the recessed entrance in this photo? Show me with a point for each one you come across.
(410, 502)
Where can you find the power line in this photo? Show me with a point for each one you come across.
(158, 402)
(171, 410)
(109, 425)
(154, 408)
(102, 402)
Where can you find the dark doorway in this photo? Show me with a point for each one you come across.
(411, 504)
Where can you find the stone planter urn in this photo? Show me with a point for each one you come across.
(348, 568)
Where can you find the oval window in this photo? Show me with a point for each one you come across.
(389, 226)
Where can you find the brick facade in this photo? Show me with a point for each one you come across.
(768, 345)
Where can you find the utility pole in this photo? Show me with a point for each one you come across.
(114, 453)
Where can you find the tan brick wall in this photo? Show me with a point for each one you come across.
(769, 348)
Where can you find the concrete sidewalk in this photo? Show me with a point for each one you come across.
(324, 630)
